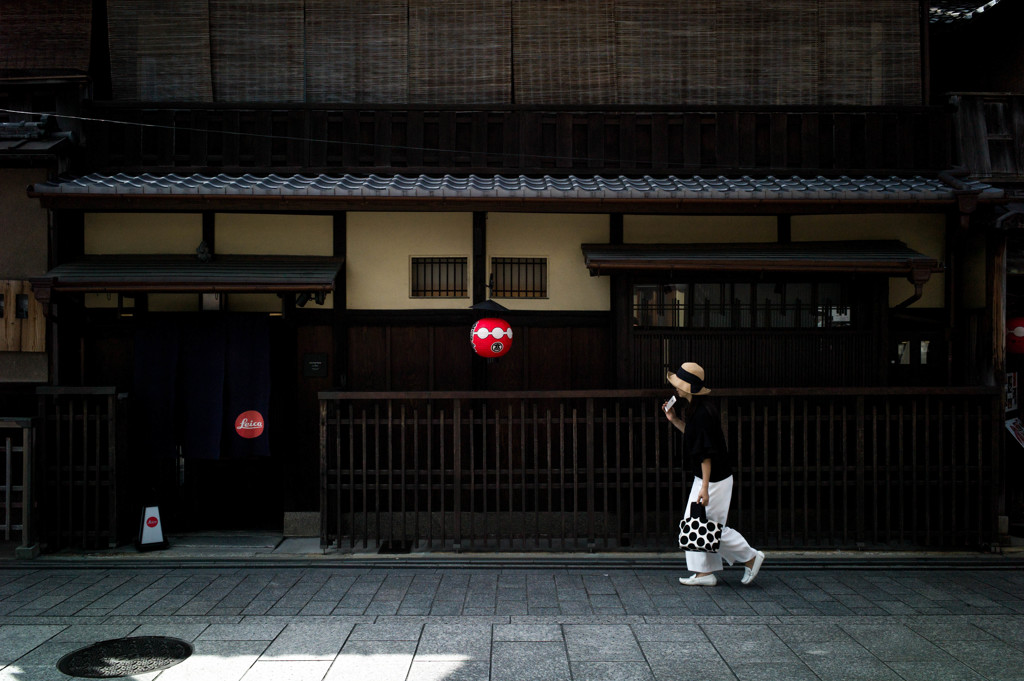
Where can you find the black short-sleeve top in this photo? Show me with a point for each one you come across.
(703, 439)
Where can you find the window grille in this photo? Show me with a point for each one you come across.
(519, 277)
(743, 305)
(440, 277)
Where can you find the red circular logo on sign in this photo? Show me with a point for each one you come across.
(249, 424)
(152, 521)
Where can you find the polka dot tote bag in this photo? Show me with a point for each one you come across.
(697, 533)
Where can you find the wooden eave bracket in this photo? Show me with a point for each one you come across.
(966, 198)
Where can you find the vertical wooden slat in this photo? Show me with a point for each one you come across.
(778, 472)
(8, 488)
(536, 476)
(350, 428)
(550, 474)
(561, 469)
(471, 415)
(442, 471)
(589, 424)
(324, 511)
(364, 480)
(510, 476)
(644, 451)
(390, 451)
(575, 476)
(523, 453)
(631, 475)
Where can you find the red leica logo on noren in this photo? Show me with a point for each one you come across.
(249, 424)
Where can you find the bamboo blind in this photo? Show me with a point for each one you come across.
(666, 51)
(257, 48)
(45, 35)
(768, 52)
(701, 52)
(871, 52)
(460, 52)
(564, 52)
(357, 51)
(159, 50)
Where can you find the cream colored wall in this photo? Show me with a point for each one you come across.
(271, 234)
(379, 250)
(558, 238)
(173, 302)
(137, 233)
(698, 229)
(923, 233)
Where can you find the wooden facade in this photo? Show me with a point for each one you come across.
(524, 139)
(835, 383)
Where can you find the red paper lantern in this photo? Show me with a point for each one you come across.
(1015, 335)
(491, 337)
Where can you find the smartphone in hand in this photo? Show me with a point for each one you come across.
(671, 401)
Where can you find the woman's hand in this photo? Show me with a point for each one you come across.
(703, 497)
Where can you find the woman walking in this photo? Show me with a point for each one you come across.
(708, 457)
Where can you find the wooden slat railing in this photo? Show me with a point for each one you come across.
(81, 434)
(17, 436)
(588, 471)
(517, 139)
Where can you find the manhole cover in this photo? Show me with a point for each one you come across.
(125, 657)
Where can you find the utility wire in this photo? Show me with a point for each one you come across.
(288, 138)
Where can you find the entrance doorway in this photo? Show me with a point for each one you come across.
(205, 410)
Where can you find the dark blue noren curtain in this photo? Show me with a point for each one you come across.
(247, 382)
(201, 385)
(155, 389)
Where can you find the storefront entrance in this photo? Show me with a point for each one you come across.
(206, 416)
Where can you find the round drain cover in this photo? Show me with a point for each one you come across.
(125, 657)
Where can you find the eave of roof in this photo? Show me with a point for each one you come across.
(110, 274)
(887, 257)
(480, 192)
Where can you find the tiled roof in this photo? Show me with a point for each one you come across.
(516, 187)
(948, 11)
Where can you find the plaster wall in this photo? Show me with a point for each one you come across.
(558, 238)
(379, 250)
(274, 234)
(925, 233)
(142, 233)
(23, 225)
(698, 229)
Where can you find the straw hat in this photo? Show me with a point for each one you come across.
(689, 379)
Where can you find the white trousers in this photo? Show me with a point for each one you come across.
(733, 548)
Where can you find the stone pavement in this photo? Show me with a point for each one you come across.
(410, 621)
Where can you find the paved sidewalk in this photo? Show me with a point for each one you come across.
(337, 622)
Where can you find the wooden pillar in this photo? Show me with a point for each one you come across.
(995, 289)
(67, 243)
(479, 290)
(340, 235)
(953, 334)
(621, 354)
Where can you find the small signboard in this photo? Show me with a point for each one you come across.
(1016, 429)
(314, 365)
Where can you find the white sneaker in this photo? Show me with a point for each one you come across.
(750, 572)
(694, 580)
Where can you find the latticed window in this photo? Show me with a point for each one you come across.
(731, 305)
(440, 277)
(519, 277)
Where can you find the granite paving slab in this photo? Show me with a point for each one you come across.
(250, 622)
